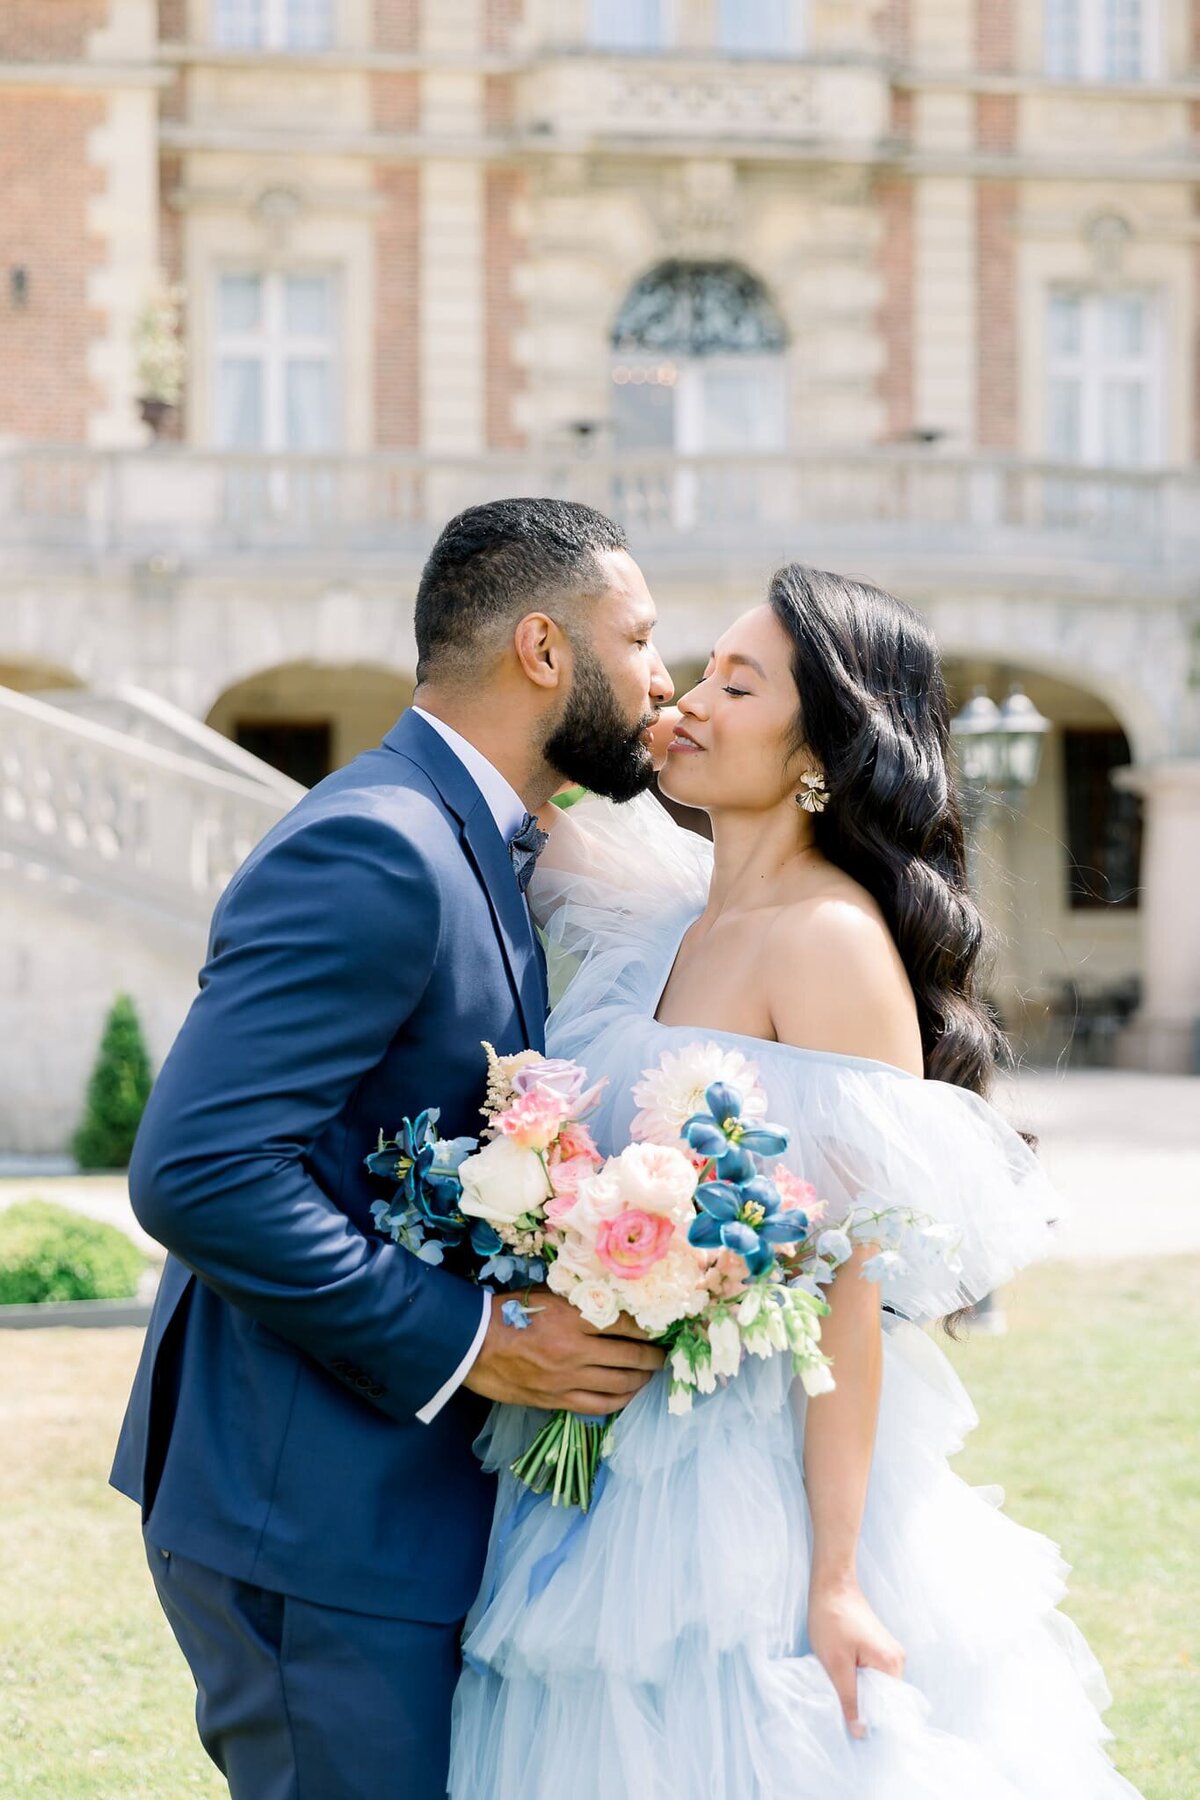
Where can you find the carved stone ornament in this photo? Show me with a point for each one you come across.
(1108, 236)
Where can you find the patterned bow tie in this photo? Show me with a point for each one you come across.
(525, 846)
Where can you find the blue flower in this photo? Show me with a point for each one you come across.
(747, 1218)
(425, 1168)
(720, 1135)
(516, 1314)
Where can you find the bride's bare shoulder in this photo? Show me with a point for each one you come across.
(835, 978)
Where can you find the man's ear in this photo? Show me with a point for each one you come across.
(543, 651)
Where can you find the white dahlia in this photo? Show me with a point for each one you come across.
(669, 1094)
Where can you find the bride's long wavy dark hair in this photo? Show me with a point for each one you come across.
(874, 712)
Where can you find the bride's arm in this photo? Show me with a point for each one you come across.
(839, 1439)
(844, 992)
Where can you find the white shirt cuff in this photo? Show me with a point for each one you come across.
(433, 1407)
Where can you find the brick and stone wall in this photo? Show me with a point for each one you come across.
(46, 388)
(397, 308)
(49, 30)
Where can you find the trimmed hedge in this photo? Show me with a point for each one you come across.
(49, 1253)
(117, 1092)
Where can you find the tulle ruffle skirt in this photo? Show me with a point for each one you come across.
(658, 1650)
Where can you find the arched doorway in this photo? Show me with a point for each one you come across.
(699, 363)
(1059, 875)
(308, 718)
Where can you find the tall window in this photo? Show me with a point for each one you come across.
(1101, 40)
(1104, 824)
(273, 24)
(277, 364)
(698, 363)
(1104, 379)
(627, 24)
(760, 27)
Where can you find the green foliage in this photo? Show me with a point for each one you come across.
(48, 1253)
(117, 1092)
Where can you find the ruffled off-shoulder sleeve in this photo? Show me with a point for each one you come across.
(873, 1140)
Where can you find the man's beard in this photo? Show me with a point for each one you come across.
(592, 744)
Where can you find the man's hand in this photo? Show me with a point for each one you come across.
(560, 1360)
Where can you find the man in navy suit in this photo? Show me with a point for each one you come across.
(299, 1432)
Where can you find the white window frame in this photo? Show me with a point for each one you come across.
(274, 347)
(274, 27)
(1087, 37)
(795, 31)
(611, 42)
(1092, 368)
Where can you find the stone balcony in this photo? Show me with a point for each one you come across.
(983, 518)
(677, 101)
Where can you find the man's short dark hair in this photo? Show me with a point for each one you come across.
(495, 563)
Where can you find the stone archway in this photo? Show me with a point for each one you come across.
(1059, 874)
(308, 718)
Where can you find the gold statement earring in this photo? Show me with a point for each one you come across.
(814, 795)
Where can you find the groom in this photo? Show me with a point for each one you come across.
(300, 1428)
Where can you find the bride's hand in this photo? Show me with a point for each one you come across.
(846, 1636)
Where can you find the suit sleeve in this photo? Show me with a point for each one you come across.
(321, 951)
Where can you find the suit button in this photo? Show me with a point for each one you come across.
(363, 1383)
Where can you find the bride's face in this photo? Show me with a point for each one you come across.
(733, 746)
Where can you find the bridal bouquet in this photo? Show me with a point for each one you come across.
(693, 1230)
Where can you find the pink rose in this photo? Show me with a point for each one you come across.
(533, 1121)
(630, 1245)
(796, 1195)
(566, 1175)
(575, 1140)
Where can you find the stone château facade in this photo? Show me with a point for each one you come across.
(909, 288)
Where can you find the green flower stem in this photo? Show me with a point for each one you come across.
(563, 1460)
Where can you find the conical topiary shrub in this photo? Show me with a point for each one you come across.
(117, 1092)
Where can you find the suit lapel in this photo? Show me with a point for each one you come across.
(489, 855)
(514, 928)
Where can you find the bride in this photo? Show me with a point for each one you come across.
(776, 1595)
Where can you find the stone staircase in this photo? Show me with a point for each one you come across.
(121, 820)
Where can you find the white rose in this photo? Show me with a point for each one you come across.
(656, 1180)
(597, 1302)
(818, 1378)
(502, 1181)
(725, 1341)
(561, 1276)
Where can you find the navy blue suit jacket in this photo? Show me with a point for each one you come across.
(357, 958)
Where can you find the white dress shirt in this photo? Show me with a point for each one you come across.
(508, 810)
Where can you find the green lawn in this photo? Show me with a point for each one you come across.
(1090, 1420)
(1090, 1413)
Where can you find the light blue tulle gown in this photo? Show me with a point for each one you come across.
(666, 1657)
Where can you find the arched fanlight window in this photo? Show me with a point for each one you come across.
(699, 362)
(699, 309)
